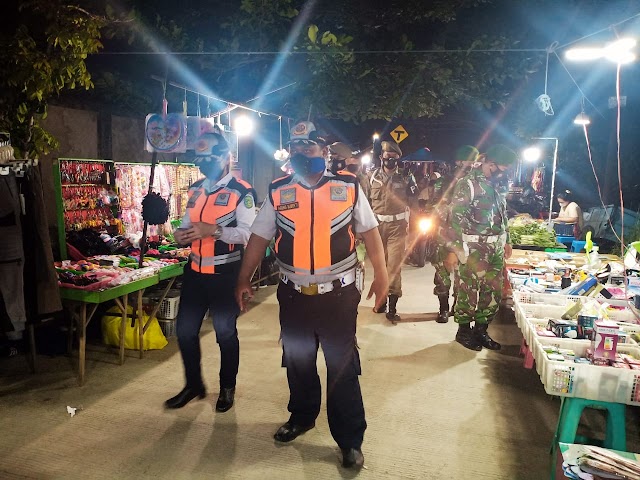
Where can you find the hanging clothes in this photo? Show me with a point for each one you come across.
(11, 254)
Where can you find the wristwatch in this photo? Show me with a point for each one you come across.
(218, 232)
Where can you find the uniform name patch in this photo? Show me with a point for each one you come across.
(288, 195)
(339, 194)
(248, 201)
(222, 199)
(287, 206)
(194, 198)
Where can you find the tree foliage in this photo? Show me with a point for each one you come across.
(44, 46)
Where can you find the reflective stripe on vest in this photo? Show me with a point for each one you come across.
(209, 255)
(314, 226)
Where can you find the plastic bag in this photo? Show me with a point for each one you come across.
(153, 338)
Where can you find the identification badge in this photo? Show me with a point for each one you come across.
(248, 201)
(287, 206)
(194, 198)
(288, 195)
(222, 199)
(339, 194)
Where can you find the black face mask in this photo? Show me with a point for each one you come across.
(303, 165)
(353, 168)
(390, 163)
(212, 169)
(337, 165)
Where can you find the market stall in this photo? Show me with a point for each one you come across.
(582, 332)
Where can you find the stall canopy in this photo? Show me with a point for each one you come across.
(421, 155)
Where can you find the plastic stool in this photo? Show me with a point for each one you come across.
(528, 355)
(578, 245)
(570, 413)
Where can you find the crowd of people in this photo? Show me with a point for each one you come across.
(318, 214)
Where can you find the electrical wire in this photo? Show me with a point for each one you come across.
(599, 31)
(320, 52)
(586, 137)
(584, 95)
(619, 114)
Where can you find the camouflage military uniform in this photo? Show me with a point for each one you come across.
(479, 231)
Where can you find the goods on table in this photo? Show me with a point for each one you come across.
(525, 231)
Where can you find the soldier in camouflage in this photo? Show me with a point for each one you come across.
(479, 238)
(440, 197)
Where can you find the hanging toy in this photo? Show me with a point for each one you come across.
(155, 209)
(544, 101)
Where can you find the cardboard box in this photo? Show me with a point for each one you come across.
(606, 340)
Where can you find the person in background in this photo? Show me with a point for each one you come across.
(570, 213)
(220, 211)
(390, 195)
(441, 192)
(315, 214)
(479, 240)
(339, 153)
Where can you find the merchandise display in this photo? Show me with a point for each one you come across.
(171, 182)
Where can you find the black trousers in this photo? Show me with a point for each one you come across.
(328, 320)
(213, 292)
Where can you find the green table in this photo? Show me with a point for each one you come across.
(89, 301)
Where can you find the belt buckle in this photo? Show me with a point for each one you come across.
(310, 290)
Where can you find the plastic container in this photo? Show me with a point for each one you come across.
(169, 308)
(168, 327)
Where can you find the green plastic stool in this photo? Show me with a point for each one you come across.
(569, 419)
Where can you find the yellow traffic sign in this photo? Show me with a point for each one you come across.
(399, 134)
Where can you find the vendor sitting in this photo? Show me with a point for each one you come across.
(570, 213)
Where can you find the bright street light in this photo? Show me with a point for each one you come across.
(243, 126)
(376, 137)
(618, 52)
(582, 119)
(531, 154)
(366, 159)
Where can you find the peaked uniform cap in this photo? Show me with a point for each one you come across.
(391, 147)
(305, 132)
(341, 150)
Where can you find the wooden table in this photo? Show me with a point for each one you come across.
(89, 301)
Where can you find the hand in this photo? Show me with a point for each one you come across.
(199, 230)
(508, 250)
(379, 288)
(180, 236)
(451, 262)
(244, 293)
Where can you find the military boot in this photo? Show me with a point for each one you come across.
(391, 314)
(453, 306)
(466, 338)
(443, 315)
(483, 338)
(382, 308)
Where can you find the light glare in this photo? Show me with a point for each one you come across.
(366, 159)
(532, 154)
(243, 125)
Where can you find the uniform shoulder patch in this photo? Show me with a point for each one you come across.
(248, 201)
(194, 198)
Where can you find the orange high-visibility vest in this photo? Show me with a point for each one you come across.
(210, 255)
(315, 225)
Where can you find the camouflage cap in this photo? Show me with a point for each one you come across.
(391, 147)
(466, 153)
(501, 155)
(340, 149)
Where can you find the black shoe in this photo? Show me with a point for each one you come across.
(393, 317)
(483, 338)
(352, 458)
(225, 399)
(382, 309)
(466, 338)
(443, 317)
(185, 396)
(451, 312)
(290, 431)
